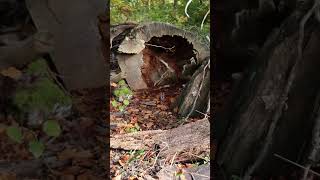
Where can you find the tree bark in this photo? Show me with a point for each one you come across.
(248, 132)
(192, 138)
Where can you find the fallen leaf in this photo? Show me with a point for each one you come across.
(124, 159)
(133, 119)
(7, 176)
(162, 107)
(117, 177)
(12, 72)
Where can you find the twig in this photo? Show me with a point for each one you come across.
(296, 164)
(186, 8)
(153, 45)
(204, 19)
(172, 160)
(165, 74)
(205, 115)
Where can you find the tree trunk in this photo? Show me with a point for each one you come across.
(175, 4)
(272, 110)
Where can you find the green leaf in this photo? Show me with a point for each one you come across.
(126, 91)
(114, 103)
(122, 83)
(14, 134)
(140, 152)
(126, 102)
(121, 108)
(116, 92)
(52, 128)
(36, 148)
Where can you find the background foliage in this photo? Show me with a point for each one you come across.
(169, 11)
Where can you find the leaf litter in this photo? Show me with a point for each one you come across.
(151, 109)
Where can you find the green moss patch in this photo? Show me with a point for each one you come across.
(42, 94)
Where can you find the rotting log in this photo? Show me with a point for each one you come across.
(163, 53)
(20, 53)
(144, 32)
(191, 138)
(272, 112)
(194, 98)
(77, 52)
(158, 54)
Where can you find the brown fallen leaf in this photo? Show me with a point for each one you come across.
(124, 159)
(11, 72)
(162, 107)
(7, 176)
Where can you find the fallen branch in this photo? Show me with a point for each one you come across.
(158, 46)
(193, 137)
(296, 164)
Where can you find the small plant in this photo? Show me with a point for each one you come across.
(50, 127)
(36, 148)
(133, 128)
(14, 133)
(123, 95)
(136, 155)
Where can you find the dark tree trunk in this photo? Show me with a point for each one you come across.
(271, 112)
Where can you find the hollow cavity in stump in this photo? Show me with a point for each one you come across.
(164, 59)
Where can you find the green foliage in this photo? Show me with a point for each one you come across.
(14, 133)
(136, 155)
(36, 148)
(136, 128)
(52, 128)
(123, 94)
(234, 177)
(43, 94)
(38, 68)
(140, 11)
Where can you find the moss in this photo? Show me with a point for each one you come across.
(43, 94)
(38, 68)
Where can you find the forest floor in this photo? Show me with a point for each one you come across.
(148, 110)
(78, 153)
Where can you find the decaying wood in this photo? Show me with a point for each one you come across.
(118, 29)
(194, 97)
(201, 172)
(77, 52)
(130, 65)
(273, 100)
(144, 32)
(150, 64)
(20, 53)
(193, 137)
